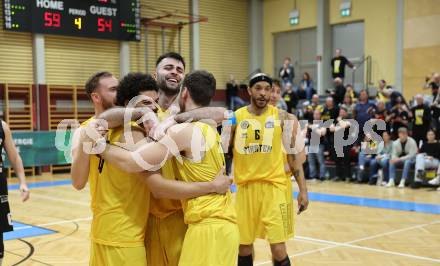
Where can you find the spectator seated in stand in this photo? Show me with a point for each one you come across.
(398, 117)
(403, 153)
(290, 97)
(306, 85)
(381, 162)
(428, 159)
(366, 157)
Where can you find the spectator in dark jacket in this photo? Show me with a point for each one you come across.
(307, 85)
(428, 157)
(339, 93)
(338, 64)
(363, 111)
(289, 96)
(421, 114)
(287, 72)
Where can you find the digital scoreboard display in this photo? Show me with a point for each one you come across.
(107, 19)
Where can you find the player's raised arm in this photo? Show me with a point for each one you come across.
(115, 116)
(216, 114)
(151, 156)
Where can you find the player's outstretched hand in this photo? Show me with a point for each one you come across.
(303, 201)
(222, 182)
(24, 192)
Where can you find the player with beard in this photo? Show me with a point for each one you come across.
(122, 197)
(211, 218)
(111, 199)
(264, 201)
(166, 228)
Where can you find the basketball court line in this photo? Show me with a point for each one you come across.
(26, 231)
(375, 203)
(55, 223)
(332, 244)
(349, 244)
(314, 196)
(42, 184)
(34, 195)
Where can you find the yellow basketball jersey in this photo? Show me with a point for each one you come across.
(258, 150)
(161, 208)
(120, 203)
(212, 205)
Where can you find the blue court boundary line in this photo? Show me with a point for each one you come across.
(313, 196)
(370, 202)
(22, 230)
(43, 184)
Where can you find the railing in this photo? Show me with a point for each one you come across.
(367, 61)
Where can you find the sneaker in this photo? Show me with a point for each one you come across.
(420, 173)
(438, 189)
(384, 183)
(416, 185)
(391, 183)
(435, 181)
(402, 183)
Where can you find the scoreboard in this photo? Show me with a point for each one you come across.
(107, 19)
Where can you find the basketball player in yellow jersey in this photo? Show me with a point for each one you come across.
(211, 218)
(264, 201)
(166, 228)
(119, 200)
(275, 97)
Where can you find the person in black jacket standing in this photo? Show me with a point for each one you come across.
(338, 64)
(421, 120)
(287, 72)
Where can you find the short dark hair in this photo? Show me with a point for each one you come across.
(173, 55)
(276, 82)
(132, 85)
(93, 82)
(201, 86)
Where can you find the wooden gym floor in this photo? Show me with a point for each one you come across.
(346, 224)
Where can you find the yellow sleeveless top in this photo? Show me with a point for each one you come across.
(120, 202)
(258, 151)
(162, 208)
(213, 205)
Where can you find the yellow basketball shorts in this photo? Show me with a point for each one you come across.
(210, 243)
(265, 210)
(117, 256)
(164, 239)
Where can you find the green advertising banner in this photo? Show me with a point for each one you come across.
(42, 148)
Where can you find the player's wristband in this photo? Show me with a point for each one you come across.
(231, 119)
